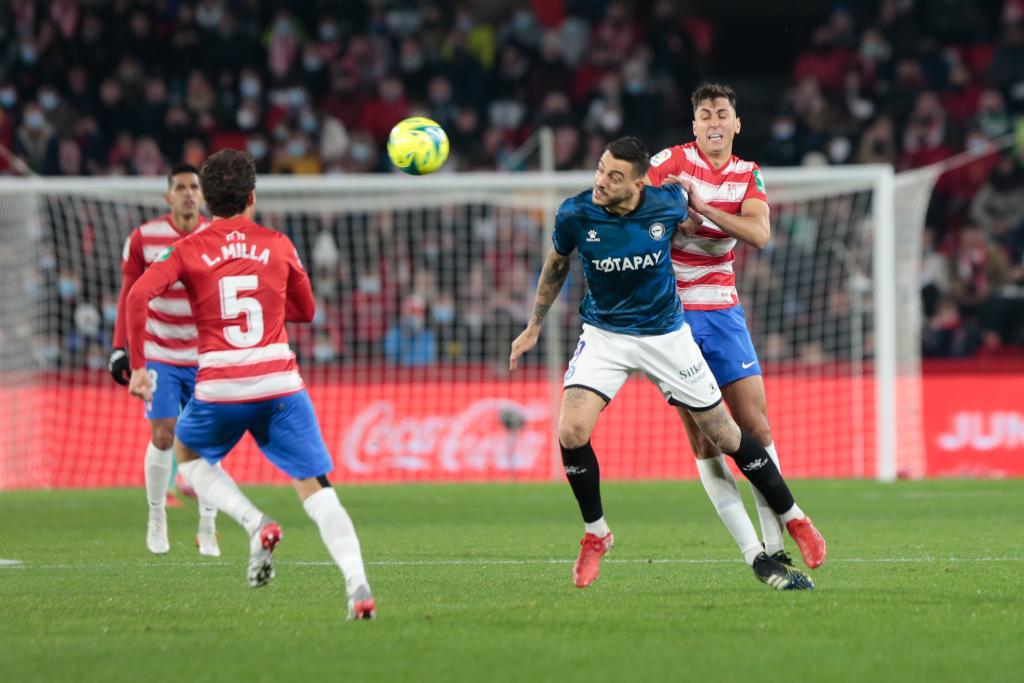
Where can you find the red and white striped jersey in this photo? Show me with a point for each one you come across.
(243, 282)
(170, 335)
(703, 263)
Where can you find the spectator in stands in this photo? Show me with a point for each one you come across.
(409, 342)
(998, 207)
(36, 142)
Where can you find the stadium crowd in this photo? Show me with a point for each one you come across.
(126, 88)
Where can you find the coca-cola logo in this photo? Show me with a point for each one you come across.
(488, 434)
(983, 431)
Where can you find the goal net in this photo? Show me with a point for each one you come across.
(421, 285)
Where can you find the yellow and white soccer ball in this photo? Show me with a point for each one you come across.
(418, 145)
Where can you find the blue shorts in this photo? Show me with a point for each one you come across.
(285, 429)
(724, 339)
(173, 386)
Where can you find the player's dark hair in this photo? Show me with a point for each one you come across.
(178, 169)
(226, 178)
(712, 91)
(633, 150)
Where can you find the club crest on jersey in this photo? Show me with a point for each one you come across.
(234, 235)
(661, 157)
(656, 231)
(592, 236)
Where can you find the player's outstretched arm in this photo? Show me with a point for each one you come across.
(552, 277)
(132, 267)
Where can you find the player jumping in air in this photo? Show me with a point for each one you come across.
(244, 281)
(633, 320)
(730, 195)
(169, 345)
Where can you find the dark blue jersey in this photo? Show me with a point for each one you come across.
(631, 286)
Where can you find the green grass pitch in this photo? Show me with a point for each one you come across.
(924, 582)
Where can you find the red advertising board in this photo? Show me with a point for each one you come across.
(90, 433)
(974, 425)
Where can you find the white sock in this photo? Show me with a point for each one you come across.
(721, 489)
(339, 535)
(598, 527)
(216, 488)
(158, 469)
(771, 526)
(792, 513)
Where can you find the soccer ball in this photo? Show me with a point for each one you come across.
(418, 145)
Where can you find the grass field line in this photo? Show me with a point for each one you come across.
(482, 562)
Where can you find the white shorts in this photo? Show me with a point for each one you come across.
(604, 360)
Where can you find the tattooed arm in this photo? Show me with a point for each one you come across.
(552, 277)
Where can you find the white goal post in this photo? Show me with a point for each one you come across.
(424, 281)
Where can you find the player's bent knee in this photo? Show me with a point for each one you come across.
(573, 435)
(163, 438)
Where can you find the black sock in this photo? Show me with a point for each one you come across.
(757, 466)
(585, 479)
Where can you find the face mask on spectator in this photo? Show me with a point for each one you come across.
(245, 119)
(297, 148)
(48, 100)
(369, 284)
(361, 151)
(250, 87)
(874, 51)
(67, 288)
(783, 130)
(312, 62)
(977, 145)
(8, 98)
(611, 120)
(109, 313)
(96, 362)
(257, 148)
(443, 313)
(297, 97)
(319, 317)
(34, 120)
(411, 61)
(308, 122)
(839, 150)
(47, 262)
(328, 32)
(28, 54)
(323, 352)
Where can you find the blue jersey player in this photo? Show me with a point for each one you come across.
(633, 320)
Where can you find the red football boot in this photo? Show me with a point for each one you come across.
(592, 549)
(809, 540)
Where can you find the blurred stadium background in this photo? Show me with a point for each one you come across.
(878, 290)
(888, 311)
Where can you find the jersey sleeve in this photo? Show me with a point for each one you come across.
(678, 199)
(300, 304)
(133, 265)
(157, 279)
(755, 188)
(562, 237)
(663, 164)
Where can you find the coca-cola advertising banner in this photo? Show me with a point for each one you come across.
(93, 434)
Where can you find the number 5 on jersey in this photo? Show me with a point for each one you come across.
(232, 306)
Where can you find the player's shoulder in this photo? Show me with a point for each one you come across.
(159, 227)
(673, 154)
(574, 206)
(743, 166)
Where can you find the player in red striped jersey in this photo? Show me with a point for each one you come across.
(170, 349)
(243, 282)
(730, 194)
